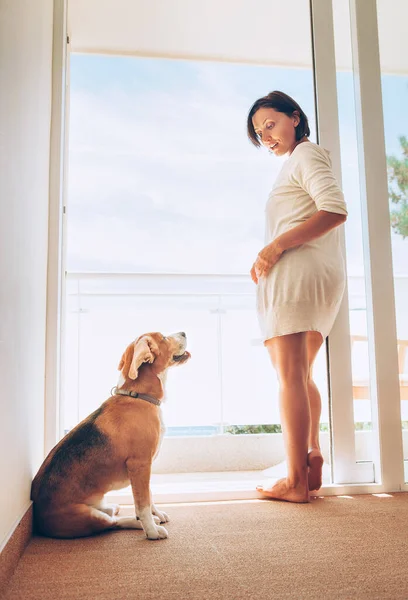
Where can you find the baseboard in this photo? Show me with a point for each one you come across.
(15, 546)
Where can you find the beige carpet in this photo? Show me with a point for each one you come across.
(336, 547)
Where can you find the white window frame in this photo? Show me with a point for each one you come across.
(377, 249)
(56, 262)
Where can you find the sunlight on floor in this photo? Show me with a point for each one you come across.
(383, 495)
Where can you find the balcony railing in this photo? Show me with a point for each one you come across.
(229, 380)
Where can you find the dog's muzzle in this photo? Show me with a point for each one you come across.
(181, 338)
(182, 357)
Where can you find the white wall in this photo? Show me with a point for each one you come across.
(25, 109)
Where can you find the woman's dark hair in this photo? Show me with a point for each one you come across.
(284, 104)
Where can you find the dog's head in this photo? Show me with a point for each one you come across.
(155, 349)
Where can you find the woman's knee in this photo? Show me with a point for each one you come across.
(293, 376)
(293, 371)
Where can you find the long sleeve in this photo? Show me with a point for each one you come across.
(313, 172)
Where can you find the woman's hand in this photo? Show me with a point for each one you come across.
(253, 274)
(266, 259)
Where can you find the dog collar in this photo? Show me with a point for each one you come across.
(150, 399)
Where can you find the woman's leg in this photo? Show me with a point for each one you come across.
(289, 357)
(314, 342)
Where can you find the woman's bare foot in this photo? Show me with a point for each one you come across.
(281, 490)
(315, 464)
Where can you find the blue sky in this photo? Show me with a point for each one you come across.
(162, 177)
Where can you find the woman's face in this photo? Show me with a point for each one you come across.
(275, 130)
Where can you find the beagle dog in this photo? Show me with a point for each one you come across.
(112, 447)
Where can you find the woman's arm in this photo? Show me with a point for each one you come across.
(314, 227)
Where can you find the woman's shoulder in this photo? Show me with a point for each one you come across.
(310, 152)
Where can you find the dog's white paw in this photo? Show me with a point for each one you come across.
(109, 509)
(160, 534)
(164, 517)
(128, 523)
(115, 508)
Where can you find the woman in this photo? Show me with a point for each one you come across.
(300, 277)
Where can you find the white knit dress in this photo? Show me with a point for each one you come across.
(303, 290)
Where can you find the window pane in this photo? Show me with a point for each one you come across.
(354, 237)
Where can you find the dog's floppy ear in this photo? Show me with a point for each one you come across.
(145, 350)
(122, 360)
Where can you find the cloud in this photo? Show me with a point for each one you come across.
(172, 170)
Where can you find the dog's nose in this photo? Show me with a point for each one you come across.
(182, 333)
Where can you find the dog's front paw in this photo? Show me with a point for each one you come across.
(164, 517)
(161, 533)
